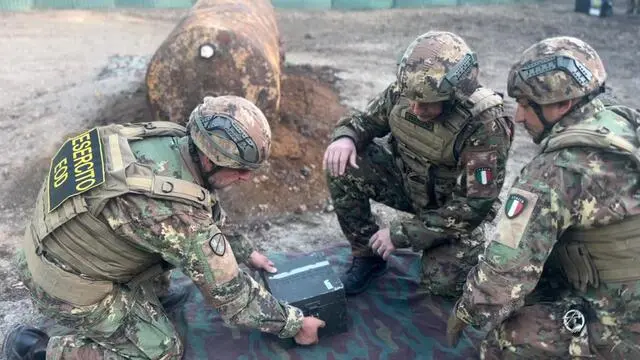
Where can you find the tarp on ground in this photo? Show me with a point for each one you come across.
(391, 320)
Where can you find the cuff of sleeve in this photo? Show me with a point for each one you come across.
(293, 322)
(398, 238)
(343, 131)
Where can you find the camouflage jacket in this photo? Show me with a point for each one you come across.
(575, 188)
(188, 238)
(463, 204)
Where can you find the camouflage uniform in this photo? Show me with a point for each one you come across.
(447, 172)
(105, 240)
(568, 238)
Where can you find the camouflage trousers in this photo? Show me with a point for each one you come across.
(444, 267)
(125, 325)
(537, 331)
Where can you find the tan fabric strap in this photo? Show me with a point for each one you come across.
(169, 187)
(154, 128)
(149, 274)
(483, 99)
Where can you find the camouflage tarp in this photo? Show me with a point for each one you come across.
(391, 320)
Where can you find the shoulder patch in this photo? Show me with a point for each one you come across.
(517, 213)
(484, 175)
(218, 244)
(480, 171)
(77, 167)
(220, 259)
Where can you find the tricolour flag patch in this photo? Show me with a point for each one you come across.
(484, 175)
(518, 210)
(515, 205)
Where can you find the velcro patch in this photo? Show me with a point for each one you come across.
(78, 166)
(413, 118)
(220, 258)
(517, 213)
(480, 167)
(218, 244)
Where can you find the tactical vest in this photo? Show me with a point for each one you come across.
(426, 151)
(72, 254)
(609, 253)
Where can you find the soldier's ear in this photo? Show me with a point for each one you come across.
(565, 106)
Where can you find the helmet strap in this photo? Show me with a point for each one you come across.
(195, 157)
(537, 109)
(547, 126)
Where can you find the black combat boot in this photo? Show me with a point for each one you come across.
(25, 343)
(363, 269)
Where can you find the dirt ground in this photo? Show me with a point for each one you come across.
(62, 71)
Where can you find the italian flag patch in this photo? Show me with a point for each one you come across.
(484, 175)
(515, 205)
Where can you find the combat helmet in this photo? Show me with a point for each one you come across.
(434, 66)
(231, 131)
(557, 69)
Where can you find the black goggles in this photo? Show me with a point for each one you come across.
(580, 74)
(224, 127)
(457, 73)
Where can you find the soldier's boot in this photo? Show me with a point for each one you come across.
(25, 343)
(362, 271)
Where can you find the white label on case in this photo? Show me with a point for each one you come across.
(328, 284)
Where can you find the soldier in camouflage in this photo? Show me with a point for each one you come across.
(561, 278)
(444, 162)
(121, 205)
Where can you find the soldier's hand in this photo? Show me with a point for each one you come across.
(380, 243)
(338, 154)
(308, 333)
(261, 262)
(454, 328)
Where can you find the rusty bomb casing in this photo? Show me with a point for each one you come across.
(221, 47)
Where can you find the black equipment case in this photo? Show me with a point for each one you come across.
(310, 284)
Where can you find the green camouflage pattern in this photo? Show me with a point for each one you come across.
(464, 205)
(170, 150)
(445, 264)
(129, 322)
(393, 319)
(425, 63)
(509, 291)
(557, 85)
(124, 325)
(459, 214)
(246, 115)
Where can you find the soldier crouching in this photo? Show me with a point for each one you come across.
(444, 162)
(121, 205)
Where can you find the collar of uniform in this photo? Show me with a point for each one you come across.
(578, 115)
(183, 144)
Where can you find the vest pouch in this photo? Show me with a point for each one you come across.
(416, 187)
(444, 183)
(578, 266)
